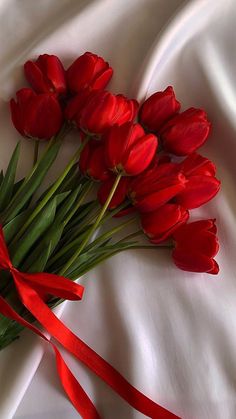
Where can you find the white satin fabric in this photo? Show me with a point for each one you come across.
(171, 333)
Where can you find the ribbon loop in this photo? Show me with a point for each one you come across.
(52, 284)
(29, 287)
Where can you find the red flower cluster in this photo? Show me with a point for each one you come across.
(181, 133)
(76, 94)
(161, 187)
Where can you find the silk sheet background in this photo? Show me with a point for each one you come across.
(171, 333)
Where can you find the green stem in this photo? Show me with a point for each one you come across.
(77, 224)
(93, 217)
(95, 243)
(50, 193)
(135, 246)
(75, 274)
(80, 201)
(109, 233)
(132, 235)
(36, 152)
(93, 228)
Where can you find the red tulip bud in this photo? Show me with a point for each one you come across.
(186, 132)
(89, 70)
(37, 116)
(92, 161)
(158, 109)
(102, 110)
(196, 244)
(202, 185)
(46, 74)
(155, 187)
(161, 223)
(128, 149)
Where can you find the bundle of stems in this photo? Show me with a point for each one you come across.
(58, 232)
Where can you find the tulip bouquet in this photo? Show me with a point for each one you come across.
(135, 165)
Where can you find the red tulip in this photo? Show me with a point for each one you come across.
(89, 70)
(92, 161)
(37, 116)
(155, 187)
(158, 109)
(102, 110)
(202, 185)
(161, 223)
(186, 132)
(196, 244)
(128, 149)
(46, 74)
(119, 195)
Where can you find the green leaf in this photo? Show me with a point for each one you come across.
(81, 214)
(31, 184)
(63, 187)
(37, 260)
(65, 252)
(88, 260)
(65, 208)
(11, 228)
(86, 267)
(38, 257)
(71, 180)
(7, 184)
(39, 226)
(17, 185)
(1, 177)
(79, 222)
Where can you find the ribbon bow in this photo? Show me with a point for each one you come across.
(29, 287)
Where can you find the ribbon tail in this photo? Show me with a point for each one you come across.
(85, 354)
(75, 392)
(73, 389)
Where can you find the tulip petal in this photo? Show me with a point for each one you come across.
(16, 116)
(35, 77)
(196, 227)
(195, 164)
(44, 117)
(55, 73)
(199, 190)
(141, 155)
(103, 79)
(194, 262)
(160, 224)
(117, 140)
(158, 109)
(89, 70)
(156, 199)
(204, 242)
(186, 132)
(80, 72)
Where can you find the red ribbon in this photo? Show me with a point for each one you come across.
(29, 287)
